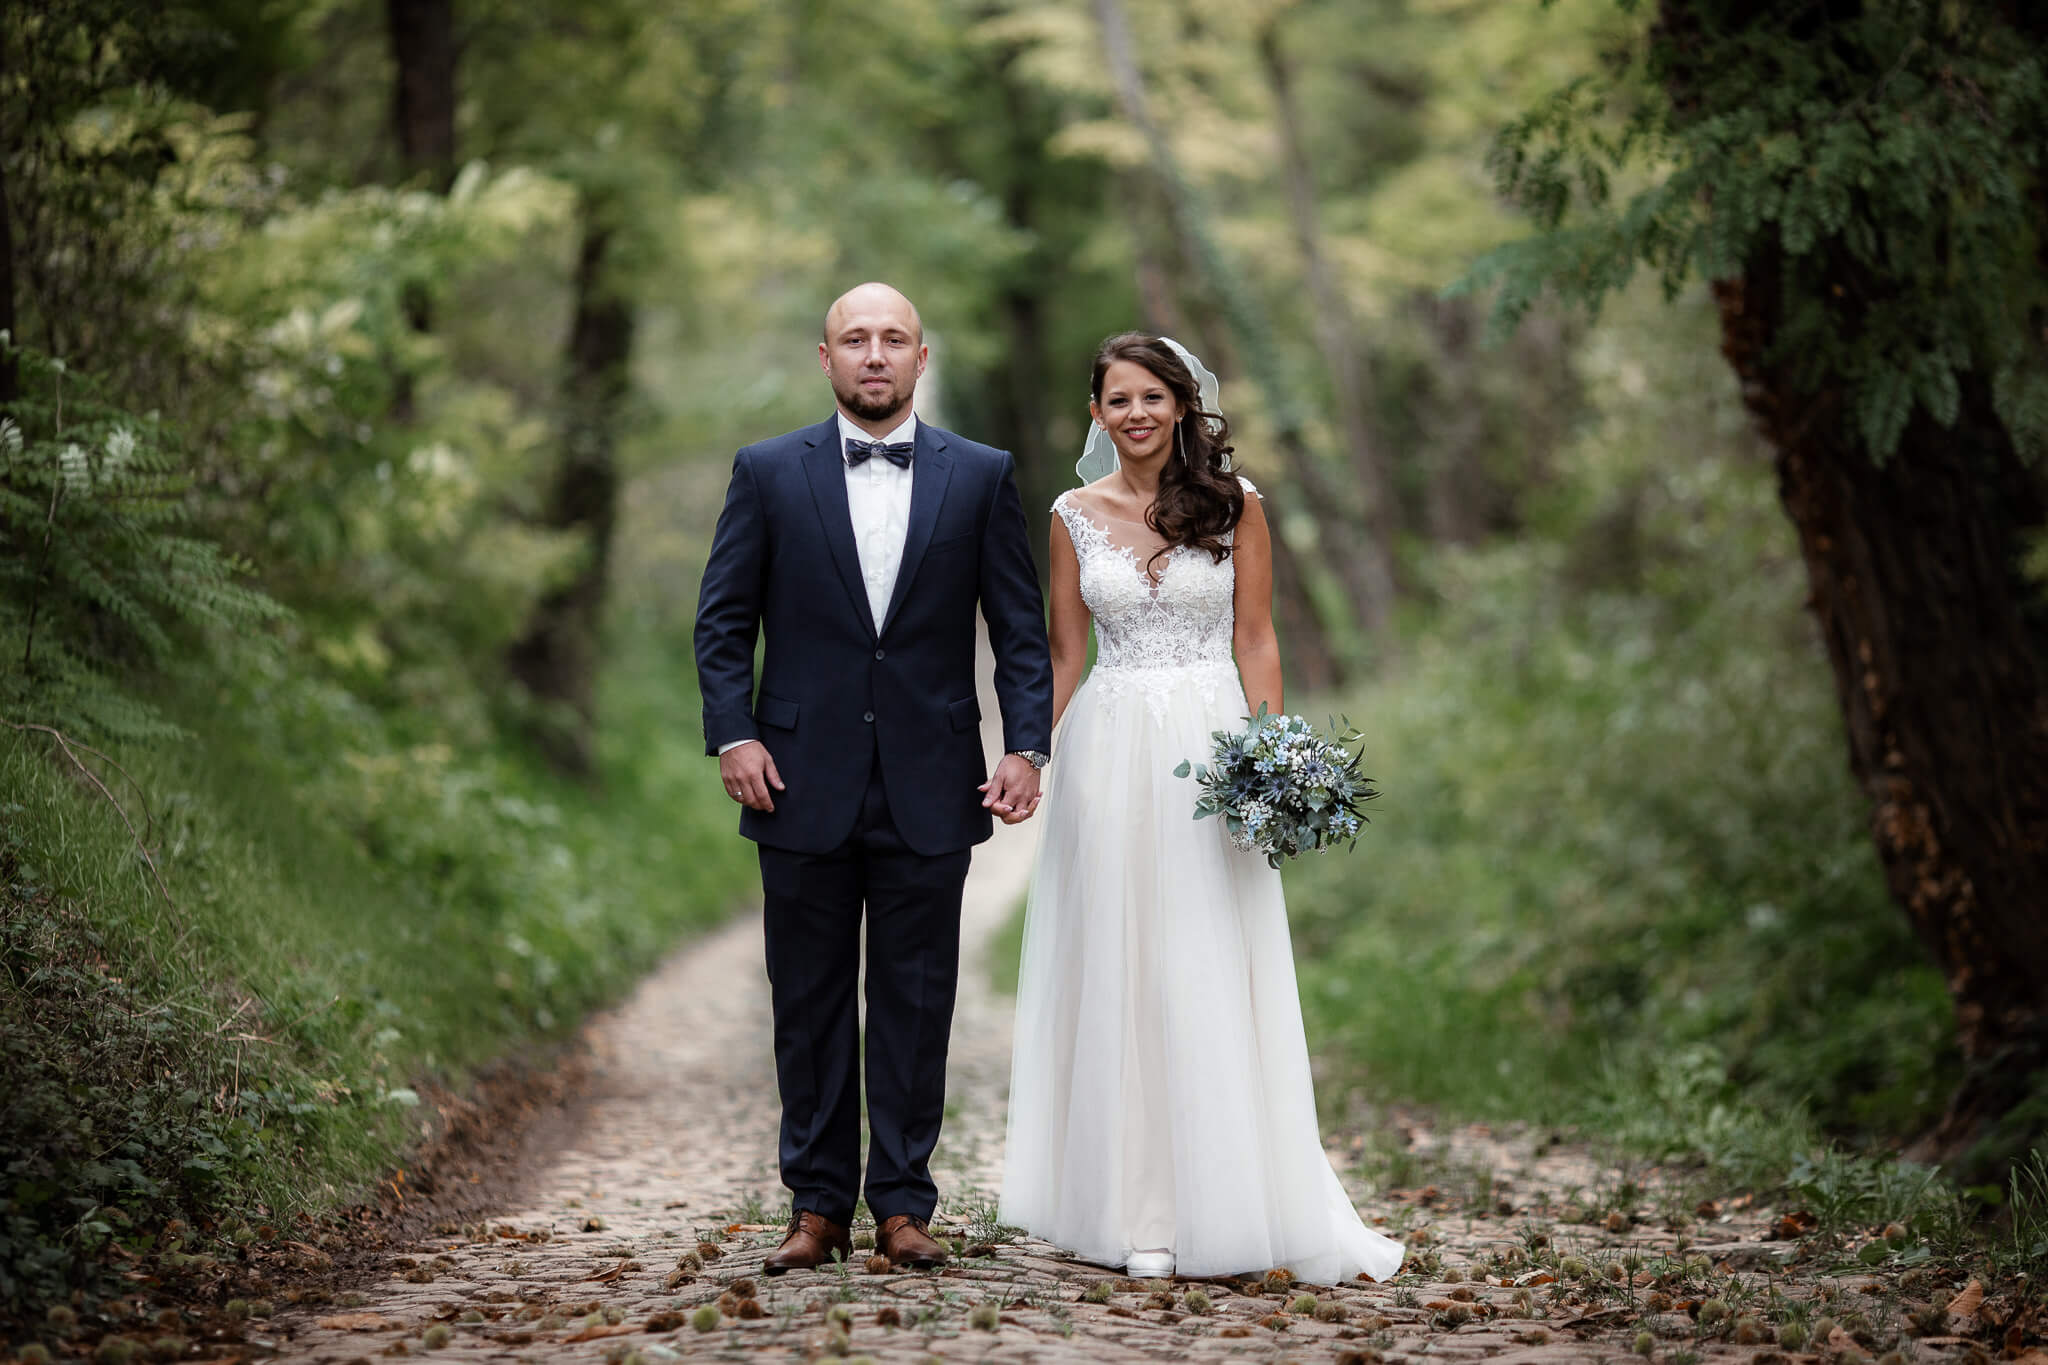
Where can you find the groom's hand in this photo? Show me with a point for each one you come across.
(1012, 792)
(748, 772)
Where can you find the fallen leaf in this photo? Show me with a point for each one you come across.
(608, 1330)
(355, 1322)
(1795, 1225)
(607, 1276)
(1838, 1340)
(1534, 1278)
(1965, 1304)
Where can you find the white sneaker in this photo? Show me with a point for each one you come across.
(1149, 1265)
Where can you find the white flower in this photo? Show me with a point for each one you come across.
(120, 449)
(76, 469)
(10, 436)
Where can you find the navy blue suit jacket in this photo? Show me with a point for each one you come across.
(836, 684)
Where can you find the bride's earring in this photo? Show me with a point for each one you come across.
(1179, 444)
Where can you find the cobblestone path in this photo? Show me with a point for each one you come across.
(643, 1242)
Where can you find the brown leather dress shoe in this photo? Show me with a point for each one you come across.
(812, 1240)
(904, 1241)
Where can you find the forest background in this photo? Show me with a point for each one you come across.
(374, 374)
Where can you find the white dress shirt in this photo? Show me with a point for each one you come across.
(878, 497)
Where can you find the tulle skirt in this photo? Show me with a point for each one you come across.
(1160, 1094)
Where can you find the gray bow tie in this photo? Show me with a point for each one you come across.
(897, 453)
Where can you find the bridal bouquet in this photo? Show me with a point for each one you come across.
(1282, 788)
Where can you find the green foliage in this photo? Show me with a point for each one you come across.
(1619, 874)
(1879, 170)
(97, 572)
(355, 915)
(103, 1152)
(373, 890)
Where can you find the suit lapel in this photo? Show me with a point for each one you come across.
(825, 468)
(931, 469)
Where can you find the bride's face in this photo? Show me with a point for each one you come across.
(1138, 411)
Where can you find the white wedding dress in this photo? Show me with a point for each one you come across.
(1160, 1094)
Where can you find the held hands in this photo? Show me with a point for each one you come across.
(749, 777)
(747, 773)
(1012, 791)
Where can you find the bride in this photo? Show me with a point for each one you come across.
(1162, 1116)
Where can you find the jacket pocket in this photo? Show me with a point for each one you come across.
(960, 542)
(775, 712)
(965, 713)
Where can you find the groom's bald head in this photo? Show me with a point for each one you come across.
(876, 303)
(873, 352)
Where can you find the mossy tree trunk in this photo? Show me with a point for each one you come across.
(1939, 648)
(557, 658)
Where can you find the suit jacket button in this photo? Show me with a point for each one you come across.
(868, 716)
(881, 654)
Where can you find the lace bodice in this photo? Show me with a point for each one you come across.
(1174, 613)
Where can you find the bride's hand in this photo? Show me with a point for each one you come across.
(1012, 791)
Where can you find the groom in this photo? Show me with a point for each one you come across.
(862, 546)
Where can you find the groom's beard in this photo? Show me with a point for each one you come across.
(874, 409)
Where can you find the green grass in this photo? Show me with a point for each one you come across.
(1006, 952)
(353, 915)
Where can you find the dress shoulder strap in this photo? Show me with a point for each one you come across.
(1082, 529)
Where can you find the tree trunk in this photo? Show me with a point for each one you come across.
(1368, 593)
(1305, 653)
(1304, 645)
(1940, 655)
(422, 34)
(557, 658)
(1040, 474)
(1336, 332)
(10, 373)
(1454, 492)
(423, 108)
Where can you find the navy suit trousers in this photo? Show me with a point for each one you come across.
(813, 904)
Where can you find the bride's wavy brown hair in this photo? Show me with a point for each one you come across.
(1198, 503)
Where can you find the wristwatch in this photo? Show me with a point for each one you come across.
(1033, 757)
